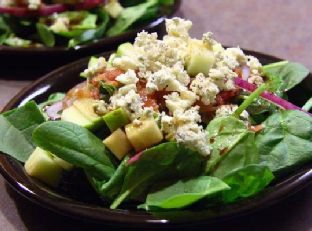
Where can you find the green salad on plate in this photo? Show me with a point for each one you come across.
(167, 124)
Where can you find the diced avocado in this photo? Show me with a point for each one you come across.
(144, 135)
(41, 165)
(116, 119)
(62, 163)
(86, 108)
(113, 8)
(118, 143)
(72, 114)
(93, 61)
(200, 58)
(125, 49)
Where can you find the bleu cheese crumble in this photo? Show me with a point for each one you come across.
(162, 66)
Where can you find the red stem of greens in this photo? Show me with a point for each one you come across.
(268, 96)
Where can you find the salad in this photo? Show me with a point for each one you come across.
(168, 124)
(69, 23)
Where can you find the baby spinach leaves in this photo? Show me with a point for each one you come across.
(242, 154)
(16, 127)
(45, 34)
(130, 15)
(246, 182)
(77, 146)
(285, 140)
(285, 74)
(165, 161)
(184, 193)
(223, 134)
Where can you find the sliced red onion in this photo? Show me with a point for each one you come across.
(245, 72)
(268, 96)
(135, 158)
(53, 111)
(15, 11)
(45, 10)
(88, 4)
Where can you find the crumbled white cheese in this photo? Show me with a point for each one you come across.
(7, 3)
(205, 88)
(171, 79)
(255, 70)
(178, 27)
(127, 98)
(226, 110)
(184, 128)
(125, 63)
(34, 4)
(128, 78)
(96, 68)
(182, 101)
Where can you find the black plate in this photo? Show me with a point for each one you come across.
(49, 58)
(90, 208)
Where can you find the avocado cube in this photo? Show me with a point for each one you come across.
(118, 143)
(72, 114)
(116, 119)
(144, 135)
(125, 49)
(62, 163)
(41, 165)
(82, 113)
(200, 58)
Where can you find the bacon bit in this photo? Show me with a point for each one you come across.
(223, 151)
(256, 128)
(207, 112)
(238, 71)
(225, 97)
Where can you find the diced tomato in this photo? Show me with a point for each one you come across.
(109, 76)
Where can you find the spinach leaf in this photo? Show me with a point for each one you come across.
(288, 74)
(184, 193)
(244, 153)
(16, 127)
(89, 22)
(9, 134)
(223, 134)
(165, 161)
(108, 190)
(285, 140)
(308, 105)
(53, 98)
(46, 36)
(77, 146)
(4, 26)
(106, 90)
(246, 182)
(25, 118)
(14, 41)
(91, 34)
(128, 16)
